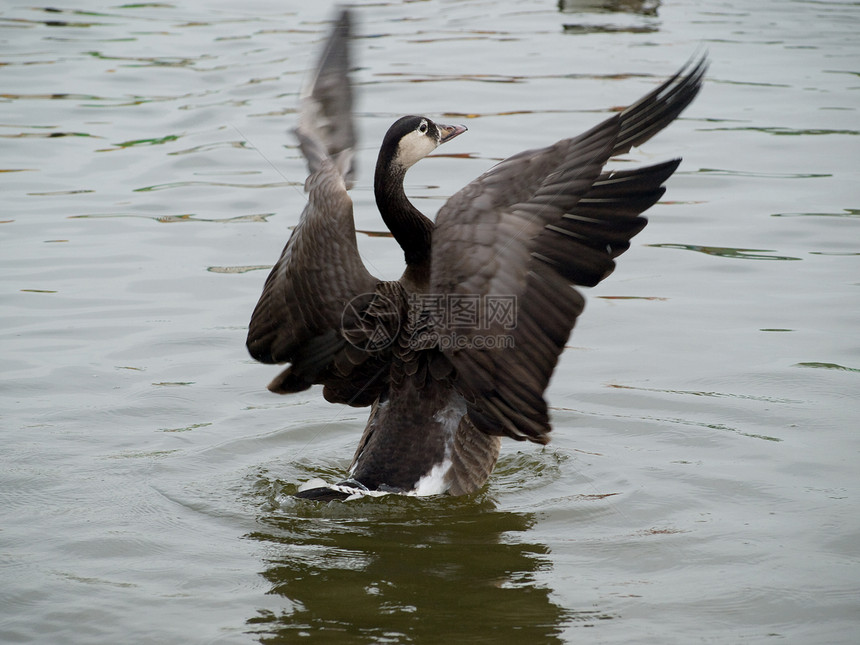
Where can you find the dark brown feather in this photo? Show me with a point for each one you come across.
(531, 227)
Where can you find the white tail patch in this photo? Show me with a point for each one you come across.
(434, 482)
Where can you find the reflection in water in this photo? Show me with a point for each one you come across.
(141, 61)
(719, 395)
(45, 135)
(790, 131)
(727, 252)
(643, 7)
(223, 184)
(846, 212)
(609, 29)
(627, 16)
(828, 366)
(762, 175)
(396, 569)
(240, 269)
(142, 142)
(374, 233)
(173, 219)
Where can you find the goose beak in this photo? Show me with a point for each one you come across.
(450, 131)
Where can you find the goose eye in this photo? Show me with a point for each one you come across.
(423, 127)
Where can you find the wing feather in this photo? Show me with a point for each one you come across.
(299, 315)
(325, 103)
(532, 227)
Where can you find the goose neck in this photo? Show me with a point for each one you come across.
(409, 226)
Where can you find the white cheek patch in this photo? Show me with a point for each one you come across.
(414, 147)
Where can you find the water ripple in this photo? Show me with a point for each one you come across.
(240, 269)
(845, 212)
(789, 131)
(172, 219)
(764, 175)
(719, 395)
(184, 184)
(828, 366)
(727, 252)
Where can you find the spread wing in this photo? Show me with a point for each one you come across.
(508, 247)
(320, 280)
(299, 316)
(657, 109)
(325, 103)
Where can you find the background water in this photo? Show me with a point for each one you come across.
(702, 482)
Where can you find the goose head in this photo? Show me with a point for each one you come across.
(410, 139)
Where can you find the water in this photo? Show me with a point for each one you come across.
(702, 481)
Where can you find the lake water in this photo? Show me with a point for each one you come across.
(702, 482)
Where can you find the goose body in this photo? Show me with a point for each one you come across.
(493, 278)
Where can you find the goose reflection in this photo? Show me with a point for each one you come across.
(402, 570)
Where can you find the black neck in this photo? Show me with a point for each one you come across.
(407, 224)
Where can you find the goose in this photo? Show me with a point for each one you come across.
(459, 351)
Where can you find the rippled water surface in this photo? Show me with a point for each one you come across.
(702, 482)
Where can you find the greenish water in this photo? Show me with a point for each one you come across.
(701, 485)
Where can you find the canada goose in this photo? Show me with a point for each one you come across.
(459, 351)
